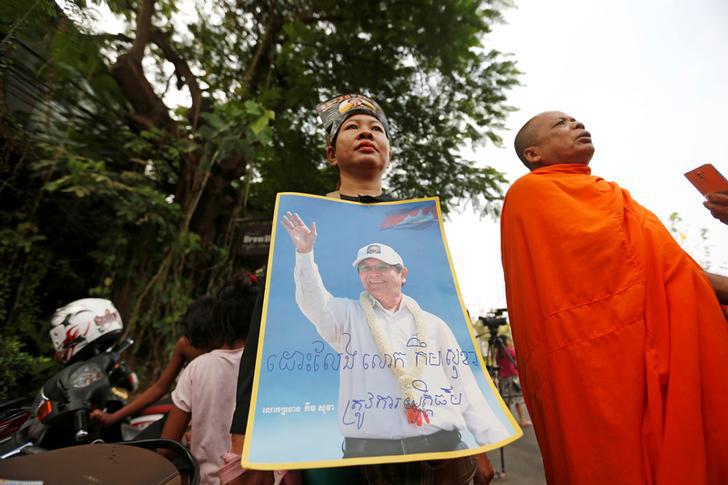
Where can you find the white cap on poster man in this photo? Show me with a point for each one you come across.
(378, 251)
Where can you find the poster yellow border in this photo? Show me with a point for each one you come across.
(365, 460)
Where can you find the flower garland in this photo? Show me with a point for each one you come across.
(406, 375)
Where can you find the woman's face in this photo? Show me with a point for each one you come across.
(362, 146)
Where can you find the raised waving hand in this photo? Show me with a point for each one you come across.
(301, 236)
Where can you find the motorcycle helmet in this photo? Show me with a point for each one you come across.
(89, 323)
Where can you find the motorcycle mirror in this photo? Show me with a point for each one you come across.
(120, 347)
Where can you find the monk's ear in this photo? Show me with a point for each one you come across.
(331, 155)
(533, 155)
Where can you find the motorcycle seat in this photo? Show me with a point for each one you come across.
(109, 464)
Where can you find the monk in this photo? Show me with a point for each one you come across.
(621, 342)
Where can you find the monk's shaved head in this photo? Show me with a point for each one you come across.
(553, 137)
(525, 138)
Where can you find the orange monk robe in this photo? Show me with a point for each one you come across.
(622, 345)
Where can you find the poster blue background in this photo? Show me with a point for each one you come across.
(343, 228)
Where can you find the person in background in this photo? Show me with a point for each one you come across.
(185, 351)
(510, 385)
(717, 204)
(204, 397)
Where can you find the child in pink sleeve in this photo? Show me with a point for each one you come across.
(205, 393)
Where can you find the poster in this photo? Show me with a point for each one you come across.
(366, 354)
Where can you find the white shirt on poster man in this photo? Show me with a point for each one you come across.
(370, 404)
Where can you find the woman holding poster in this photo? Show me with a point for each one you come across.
(357, 136)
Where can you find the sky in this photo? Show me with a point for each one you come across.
(648, 79)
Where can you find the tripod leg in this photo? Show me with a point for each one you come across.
(502, 473)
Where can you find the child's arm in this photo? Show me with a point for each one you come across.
(176, 424)
(183, 352)
(174, 428)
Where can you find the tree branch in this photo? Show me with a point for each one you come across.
(183, 71)
(128, 73)
(117, 37)
(273, 27)
(143, 29)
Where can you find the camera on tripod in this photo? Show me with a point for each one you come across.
(494, 319)
(496, 343)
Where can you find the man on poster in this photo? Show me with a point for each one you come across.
(410, 402)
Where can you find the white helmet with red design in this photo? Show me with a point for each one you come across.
(78, 324)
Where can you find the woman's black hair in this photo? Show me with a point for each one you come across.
(233, 309)
(196, 322)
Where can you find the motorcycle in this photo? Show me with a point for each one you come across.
(59, 416)
(13, 414)
(38, 441)
(57, 443)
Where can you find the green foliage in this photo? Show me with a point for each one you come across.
(235, 129)
(108, 192)
(20, 370)
(426, 62)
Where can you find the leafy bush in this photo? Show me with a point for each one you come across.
(21, 374)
